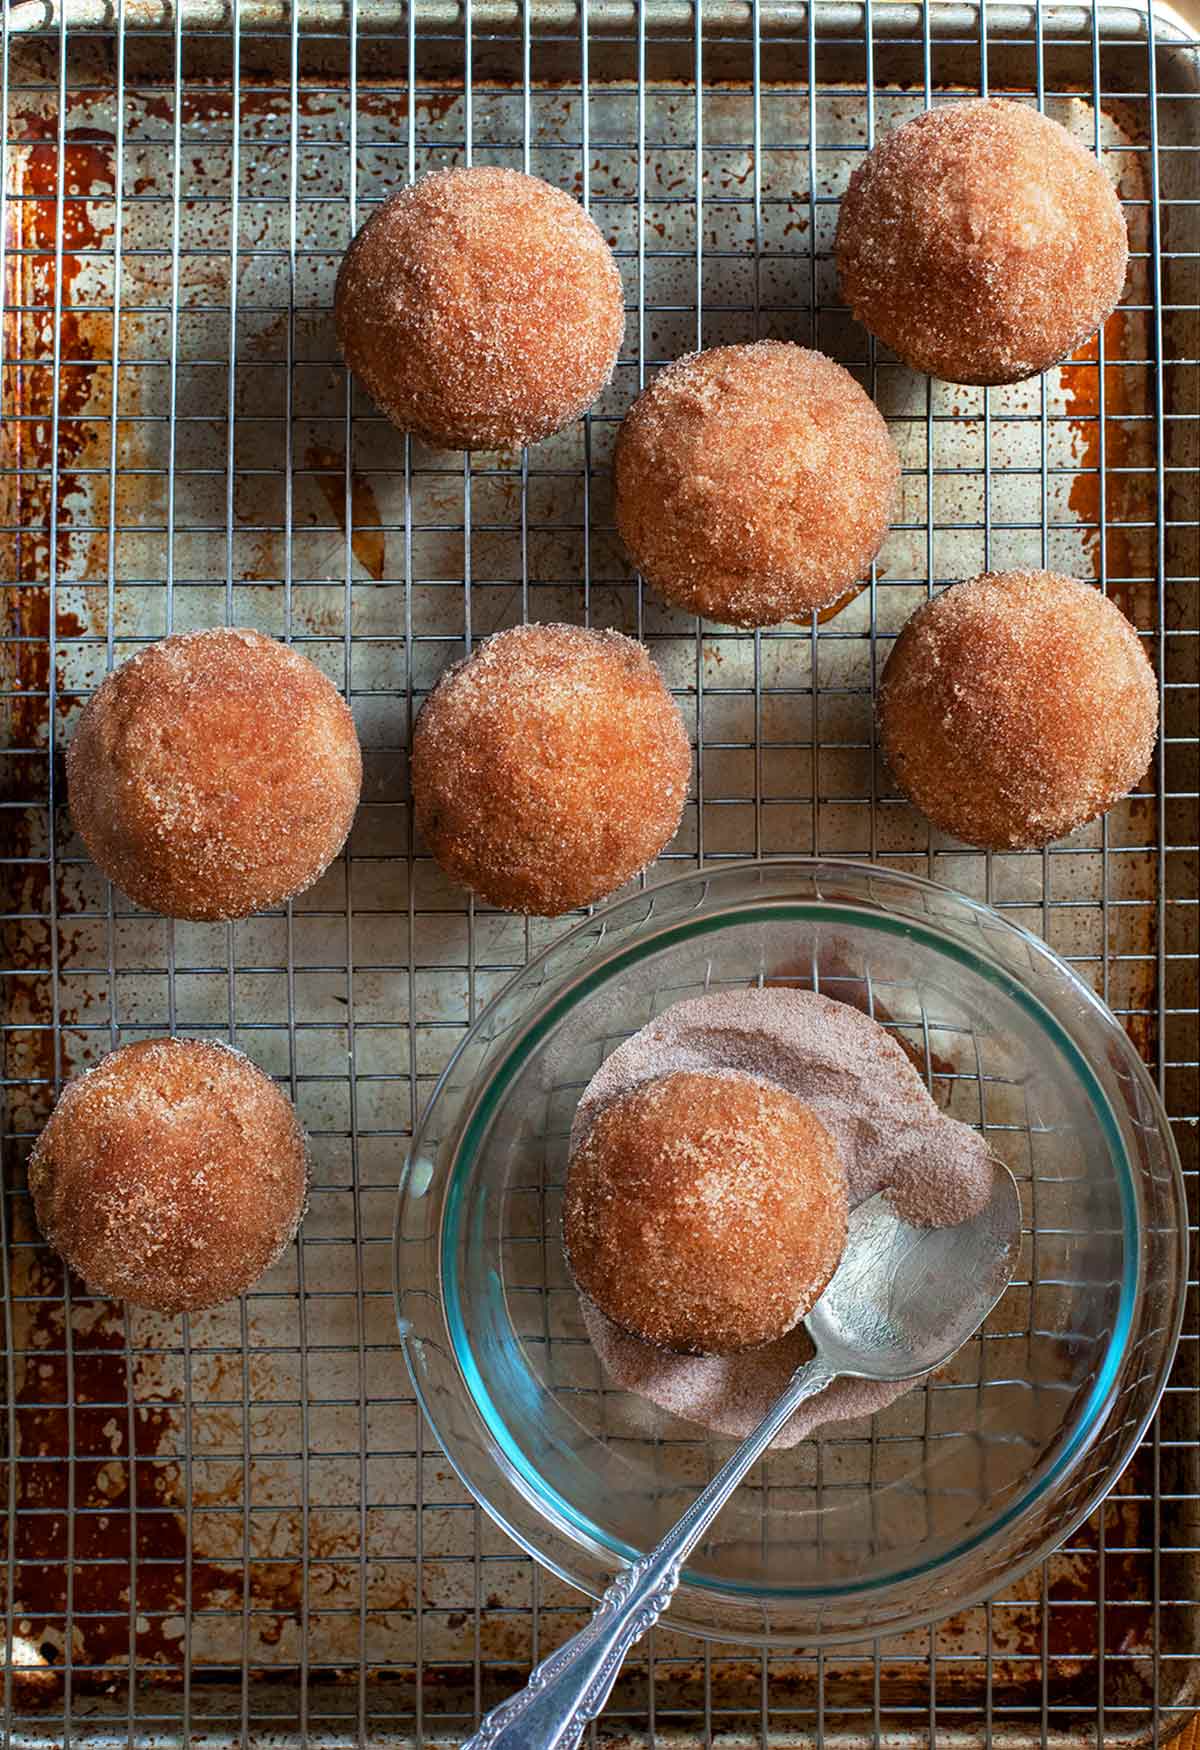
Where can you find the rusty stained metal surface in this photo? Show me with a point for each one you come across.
(220, 1539)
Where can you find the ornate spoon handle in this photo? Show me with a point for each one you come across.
(570, 1687)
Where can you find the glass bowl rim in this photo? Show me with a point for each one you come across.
(559, 996)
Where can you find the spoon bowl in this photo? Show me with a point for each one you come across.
(905, 1298)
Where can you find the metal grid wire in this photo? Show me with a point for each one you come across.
(236, 1524)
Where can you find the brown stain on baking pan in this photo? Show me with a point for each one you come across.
(42, 283)
(367, 539)
(1109, 454)
(120, 1525)
(84, 337)
(35, 467)
(847, 596)
(1101, 453)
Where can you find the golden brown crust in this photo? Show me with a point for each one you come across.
(215, 774)
(170, 1175)
(481, 308)
(754, 484)
(981, 242)
(1016, 707)
(705, 1211)
(549, 768)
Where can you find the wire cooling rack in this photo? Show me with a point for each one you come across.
(236, 1527)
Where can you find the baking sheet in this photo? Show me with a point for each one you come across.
(238, 1524)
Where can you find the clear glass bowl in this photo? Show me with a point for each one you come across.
(867, 1527)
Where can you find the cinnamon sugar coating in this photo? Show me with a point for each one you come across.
(480, 308)
(981, 242)
(1016, 707)
(170, 1175)
(215, 774)
(549, 768)
(754, 484)
(705, 1212)
(855, 1077)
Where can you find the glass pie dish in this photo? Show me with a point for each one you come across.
(867, 1527)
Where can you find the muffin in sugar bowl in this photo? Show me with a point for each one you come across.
(698, 1256)
(705, 1212)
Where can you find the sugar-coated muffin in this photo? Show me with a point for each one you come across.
(1016, 707)
(215, 774)
(549, 768)
(170, 1175)
(981, 242)
(705, 1211)
(480, 308)
(855, 1076)
(754, 484)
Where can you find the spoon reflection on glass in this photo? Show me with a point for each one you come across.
(902, 1301)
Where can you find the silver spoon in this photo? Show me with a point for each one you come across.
(902, 1301)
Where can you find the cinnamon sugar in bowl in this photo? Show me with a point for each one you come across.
(876, 1517)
